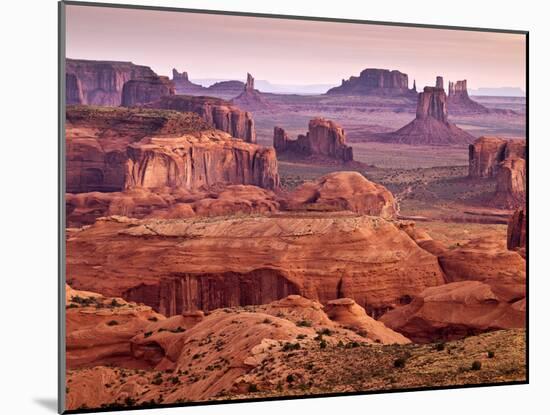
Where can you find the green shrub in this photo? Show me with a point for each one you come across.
(290, 378)
(303, 323)
(290, 346)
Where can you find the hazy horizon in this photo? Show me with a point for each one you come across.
(292, 52)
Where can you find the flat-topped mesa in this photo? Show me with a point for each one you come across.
(460, 102)
(217, 112)
(200, 160)
(431, 125)
(100, 82)
(325, 138)
(183, 85)
(373, 81)
(144, 90)
(251, 99)
(487, 152)
(439, 82)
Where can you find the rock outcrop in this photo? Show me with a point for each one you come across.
(455, 310)
(144, 90)
(325, 139)
(251, 99)
(379, 82)
(344, 191)
(439, 82)
(188, 264)
(225, 89)
(218, 113)
(97, 140)
(85, 208)
(199, 161)
(431, 125)
(511, 183)
(100, 82)
(517, 231)
(460, 102)
(487, 152)
(183, 85)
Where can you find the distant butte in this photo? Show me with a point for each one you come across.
(431, 125)
(380, 82)
(251, 99)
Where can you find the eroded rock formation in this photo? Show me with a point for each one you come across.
(199, 160)
(344, 191)
(511, 183)
(251, 99)
(431, 125)
(375, 82)
(100, 82)
(179, 265)
(455, 310)
(143, 90)
(97, 140)
(219, 113)
(517, 231)
(183, 85)
(325, 139)
(487, 152)
(460, 102)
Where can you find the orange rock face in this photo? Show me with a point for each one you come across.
(511, 183)
(85, 208)
(181, 265)
(517, 231)
(454, 311)
(487, 152)
(199, 160)
(143, 90)
(217, 112)
(344, 191)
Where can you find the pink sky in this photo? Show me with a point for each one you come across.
(291, 51)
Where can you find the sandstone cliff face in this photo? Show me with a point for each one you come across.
(439, 82)
(487, 152)
(219, 113)
(460, 102)
(141, 91)
(199, 160)
(251, 99)
(511, 183)
(100, 82)
(325, 138)
(344, 191)
(517, 231)
(375, 82)
(182, 265)
(97, 139)
(431, 125)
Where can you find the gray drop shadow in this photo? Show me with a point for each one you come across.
(48, 403)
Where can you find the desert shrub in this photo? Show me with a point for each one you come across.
(490, 354)
(112, 323)
(303, 323)
(324, 332)
(115, 303)
(129, 401)
(301, 336)
(476, 365)
(440, 347)
(323, 344)
(290, 346)
(252, 388)
(290, 378)
(157, 381)
(266, 321)
(399, 363)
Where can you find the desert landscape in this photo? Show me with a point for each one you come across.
(227, 243)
